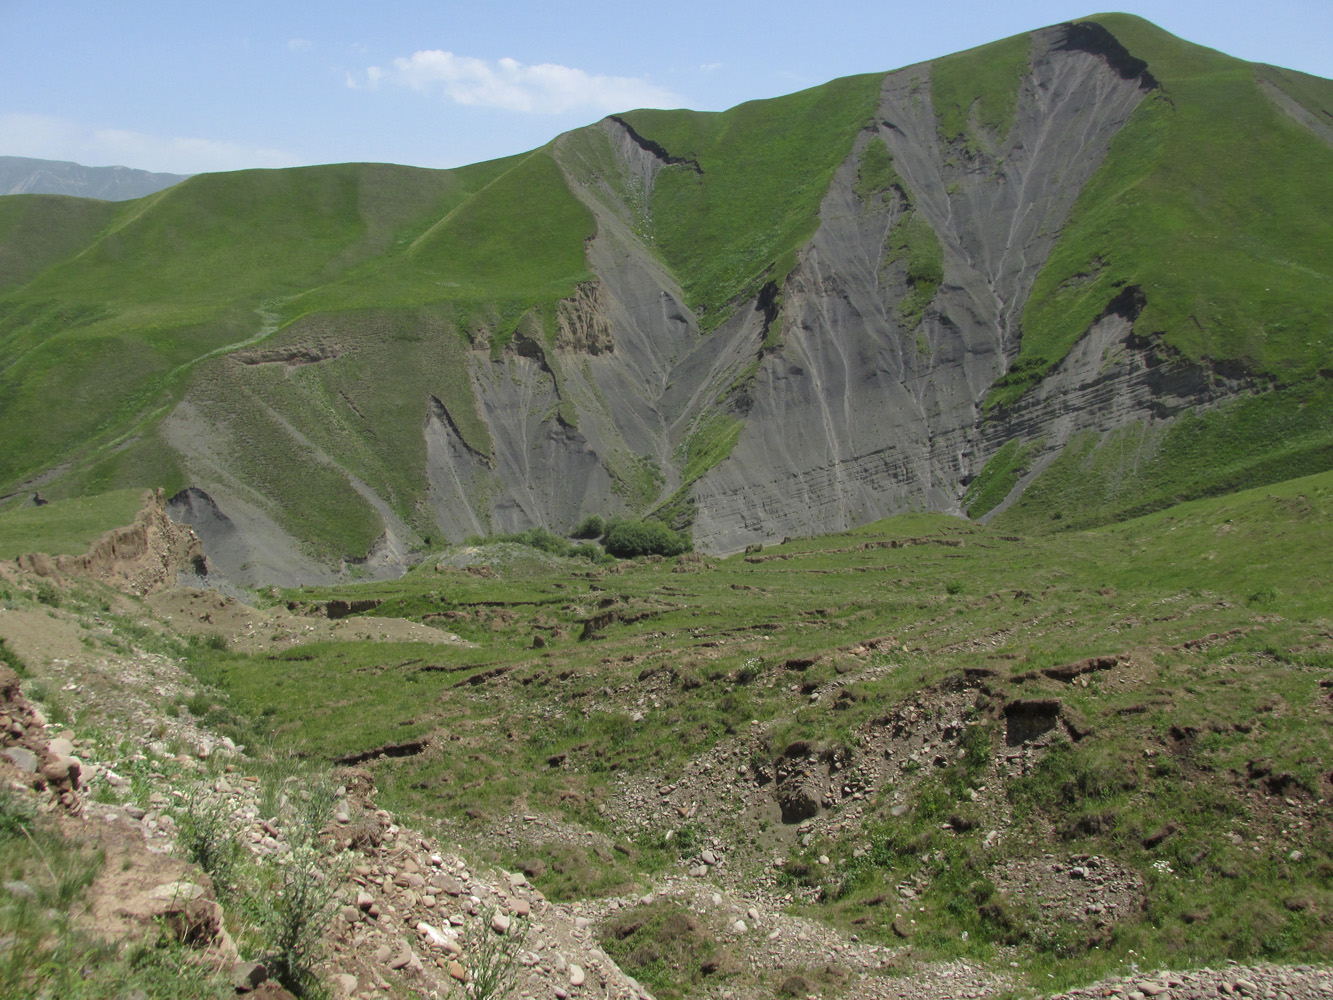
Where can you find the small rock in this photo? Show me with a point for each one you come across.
(576, 975)
(402, 958)
(456, 970)
(172, 892)
(500, 923)
(434, 937)
(346, 984)
(451, 887)
(22, 758)
(245, 976)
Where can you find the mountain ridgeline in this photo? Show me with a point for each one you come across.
(1066, 278)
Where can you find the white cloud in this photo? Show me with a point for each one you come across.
(508, 84)
(300, 45)
(47, 138)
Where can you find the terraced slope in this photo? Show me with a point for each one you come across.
(992, 283)
(1046, 757)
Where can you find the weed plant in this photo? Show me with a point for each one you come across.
(46, 954)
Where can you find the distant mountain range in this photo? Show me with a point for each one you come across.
(21, 175)
(1055, 281)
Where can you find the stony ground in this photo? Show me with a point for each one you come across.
(416, 916)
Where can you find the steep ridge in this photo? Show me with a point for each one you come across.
(847, 353)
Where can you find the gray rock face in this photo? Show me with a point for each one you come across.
(858, 417)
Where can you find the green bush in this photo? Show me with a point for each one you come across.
(591, 551)
(591, 526)
(627, 539)
(539, 539)
(12, 660)
(205, 831)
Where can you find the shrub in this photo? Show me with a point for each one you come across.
(47, 594)
(16, 816)
(592, 552)
(12, 660)
(591, 526)
(493, 959)
(627, 539)
(206, 834)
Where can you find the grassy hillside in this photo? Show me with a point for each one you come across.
(979, 85)
(125, 302)
(65, 527)
(1246, 443)
(38, 231)
(1214, 202)
(733, 215)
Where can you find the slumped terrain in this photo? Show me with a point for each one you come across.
(924, 758)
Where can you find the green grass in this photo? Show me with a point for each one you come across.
(998, 478)
(765, 166)
(1248, 442)
(45, 876)
(915, 243)
(1233, 259)
(40, 230)
(912, 242)
(983, 81)
(875, 174)
(710, 444)
(694, 662)
(65, 527)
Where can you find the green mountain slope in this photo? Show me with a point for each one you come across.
(747, 194)
(1217, 205)
(356, 350)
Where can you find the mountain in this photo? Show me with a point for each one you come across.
(1072, 276)
(21, 175)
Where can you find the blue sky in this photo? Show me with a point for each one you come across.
(191, 86)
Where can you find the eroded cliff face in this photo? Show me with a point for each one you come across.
(151, 554)
(858, 388)
(853, 408)
(860, 416)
